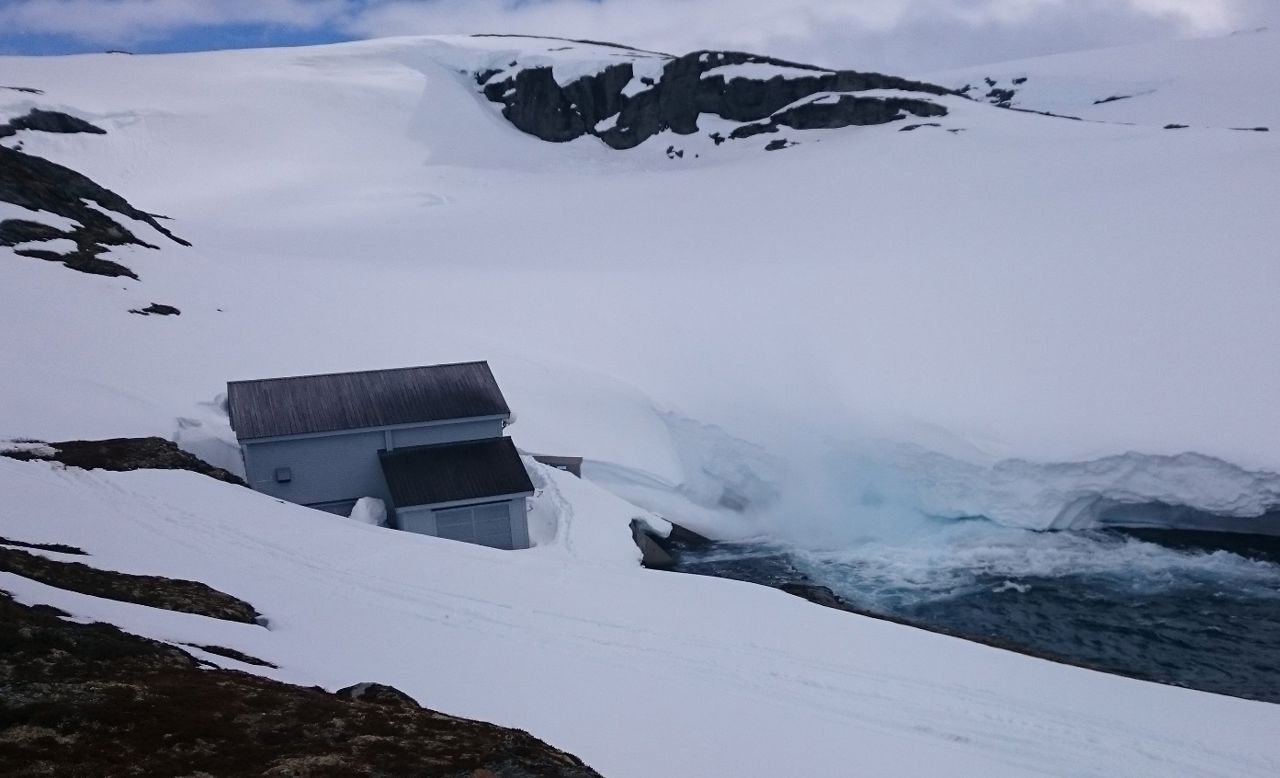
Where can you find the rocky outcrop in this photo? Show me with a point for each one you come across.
(995, 94)
(58, 548)
(624, 109)
(48, 121)
(156, 309)
(121, 454)
(662, 553)
(231, 653)
(88, 699)
(818, 595)
(377, 693)
(38, 184)
(844, 111)
(154, 591)
(652, 553)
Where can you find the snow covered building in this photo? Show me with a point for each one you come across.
(427, 441)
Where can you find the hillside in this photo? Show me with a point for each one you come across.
(995, 306)
(1206, 84)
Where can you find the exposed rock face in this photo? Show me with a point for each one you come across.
(659, 553)
(48, 121)
(58, 548)
(996, 94)
(231, 653)
(123, 454)
(624, 109)
(818, 595)
(844, 111)
(156, 309)
(37, 184)
(80, 699)
(652, 553)
(155, 591)
(377, 693)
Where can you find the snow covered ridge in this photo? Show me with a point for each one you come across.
(893, 490)
(625, 96)
(1197, 84)
(1185, 491)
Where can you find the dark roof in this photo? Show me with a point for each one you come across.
(471, 470)
(374, 398)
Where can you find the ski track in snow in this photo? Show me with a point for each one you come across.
(1015, 716)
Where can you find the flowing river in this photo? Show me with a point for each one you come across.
(1200, 610)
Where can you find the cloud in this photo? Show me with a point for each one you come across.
(898, 35)
(126, 22)
(907, 36)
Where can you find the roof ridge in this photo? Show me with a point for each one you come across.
(330, 402)
(484, 362)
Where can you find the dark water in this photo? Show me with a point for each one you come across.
(1183, 611)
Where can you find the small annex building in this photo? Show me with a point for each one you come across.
(427, 441)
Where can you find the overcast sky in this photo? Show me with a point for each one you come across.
(910, 36)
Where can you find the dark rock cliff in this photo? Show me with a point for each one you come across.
(38, 184)
(535, 103)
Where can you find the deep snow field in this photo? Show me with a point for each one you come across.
(1029, 320)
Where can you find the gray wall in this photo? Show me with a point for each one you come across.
(325, 469)
(519, 523)
(421, 519)
(344, 466)
(446, 433)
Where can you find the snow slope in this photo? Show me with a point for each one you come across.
(639, 673)
(1055, 290)
(1026, 287)
(1204, 83)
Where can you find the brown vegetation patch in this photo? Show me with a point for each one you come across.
(167, 593)
(231, 653)
(91, 700)
(57, 548)
(121, 454)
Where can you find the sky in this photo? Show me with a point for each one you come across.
(908, 36)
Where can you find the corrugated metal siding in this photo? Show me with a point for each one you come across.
(417, 519)
(377, 398)
(422, 519)
(472, 470)
(519, 523)
(484, 525)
